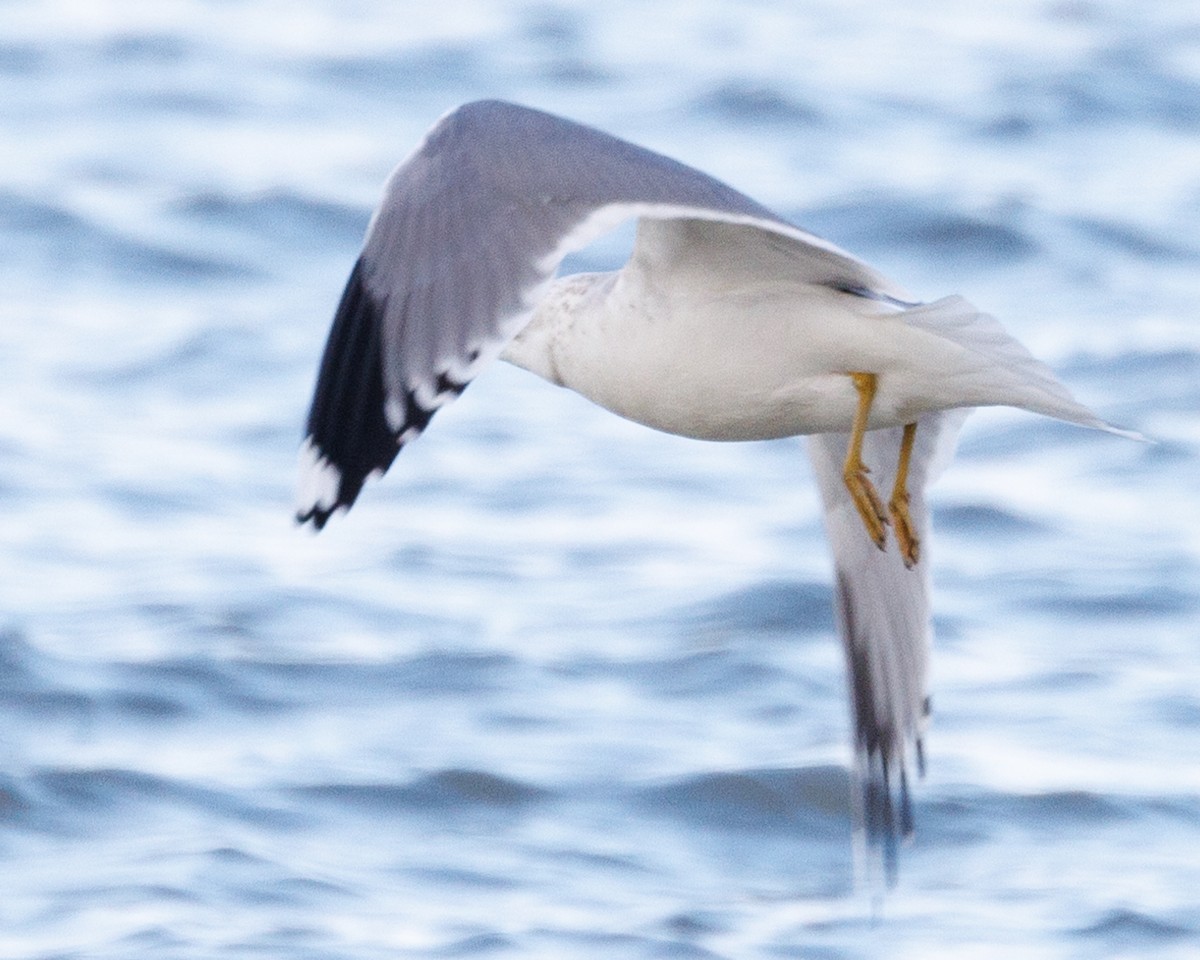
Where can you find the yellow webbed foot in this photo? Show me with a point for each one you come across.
(870, 506)
(906, 537)
(854, 471)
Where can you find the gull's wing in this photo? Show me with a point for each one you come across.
(471, 227)
(883, 616)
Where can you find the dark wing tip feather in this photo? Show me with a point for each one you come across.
(348, 435)
(353, 431)
(886, 804)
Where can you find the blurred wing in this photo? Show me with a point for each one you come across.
(883, 615)
(471, 227)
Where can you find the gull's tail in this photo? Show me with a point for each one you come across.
(1007, 373)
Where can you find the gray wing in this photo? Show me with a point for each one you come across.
(471, 227)
(883, 616)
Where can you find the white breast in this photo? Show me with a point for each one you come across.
(704, 360)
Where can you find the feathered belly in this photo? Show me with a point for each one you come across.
(735, 383)
(762, 366)
(747, 411)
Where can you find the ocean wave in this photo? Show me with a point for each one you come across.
(448, 792)
(815, 800)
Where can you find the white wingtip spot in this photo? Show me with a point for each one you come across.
(425, 396)
(395, 413)
(319, 480)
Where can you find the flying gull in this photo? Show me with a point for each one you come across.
(727, 323)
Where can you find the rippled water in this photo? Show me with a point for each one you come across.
(559, 686)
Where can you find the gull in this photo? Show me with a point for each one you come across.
(727, 323)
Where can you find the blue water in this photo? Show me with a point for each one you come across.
(559, 686)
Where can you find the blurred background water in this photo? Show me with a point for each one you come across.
(560, 686)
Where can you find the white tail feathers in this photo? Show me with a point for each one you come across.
(1011, 375)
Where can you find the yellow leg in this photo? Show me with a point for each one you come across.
(906, 538)
(854, 472)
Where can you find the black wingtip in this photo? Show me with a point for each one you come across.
(887, 816)
(885, 808)
(324, 489)
(349, 438)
